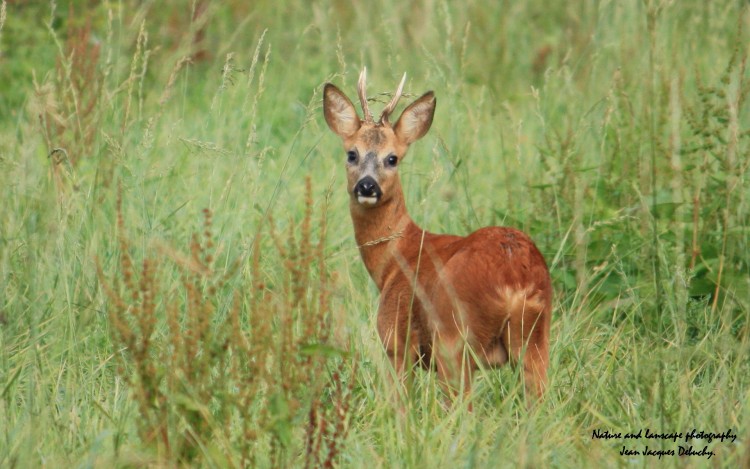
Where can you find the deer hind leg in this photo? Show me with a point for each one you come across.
(526, 339)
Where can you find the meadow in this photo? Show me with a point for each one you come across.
(179, 281)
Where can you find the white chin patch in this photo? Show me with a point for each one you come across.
(367, 200)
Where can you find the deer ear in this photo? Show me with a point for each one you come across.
(416, 119)
(339, 112)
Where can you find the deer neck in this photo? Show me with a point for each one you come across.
(378, 230)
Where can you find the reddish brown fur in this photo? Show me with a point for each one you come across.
(490, 290)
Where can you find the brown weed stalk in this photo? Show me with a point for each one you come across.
(70, 115)
(214, 364)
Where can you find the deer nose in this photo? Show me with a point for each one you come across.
(367, 187)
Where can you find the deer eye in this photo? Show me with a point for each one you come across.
(351, 156)
(391, 160)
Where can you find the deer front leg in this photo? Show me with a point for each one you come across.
(399, 338)
(454, 366)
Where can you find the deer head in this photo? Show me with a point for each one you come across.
(374, 149)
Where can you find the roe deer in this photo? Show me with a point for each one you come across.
(490, 290)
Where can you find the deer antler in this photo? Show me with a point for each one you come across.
(392, 105)
(363, 95)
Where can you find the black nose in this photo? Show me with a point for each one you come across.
(367, 187)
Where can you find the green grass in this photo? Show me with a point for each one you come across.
(615, 133)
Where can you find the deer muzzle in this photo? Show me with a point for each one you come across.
(367, 191)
